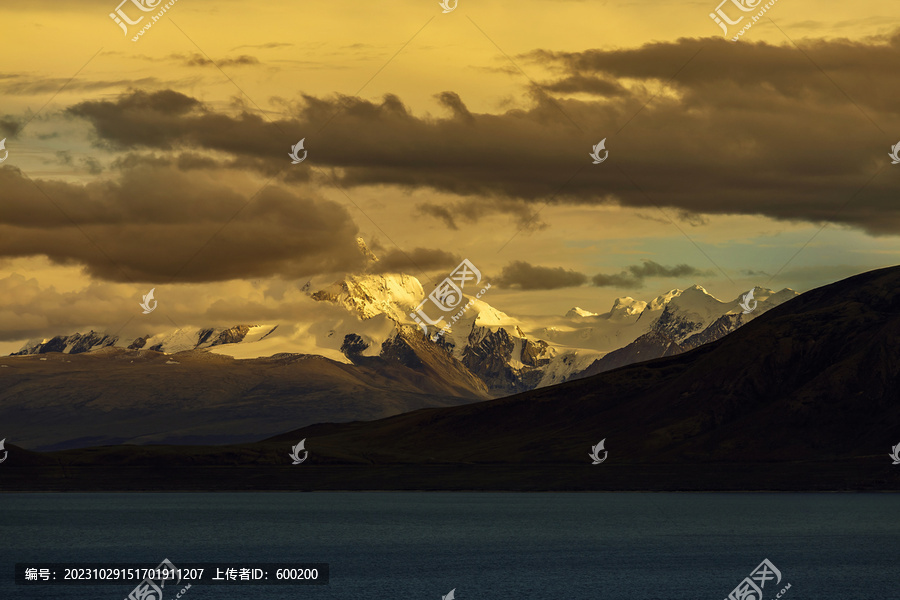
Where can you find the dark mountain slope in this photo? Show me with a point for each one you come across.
(114, 396)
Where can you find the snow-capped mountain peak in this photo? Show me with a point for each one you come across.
(626, 306)
(371, 295)
(660, 301)
(696, 299)
(580, 312)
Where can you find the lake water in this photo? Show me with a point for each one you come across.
(419, 546)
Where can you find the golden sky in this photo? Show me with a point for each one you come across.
(437, 137)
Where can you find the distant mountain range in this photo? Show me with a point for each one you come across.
(93, 388)
(807, 396)
(506, 353)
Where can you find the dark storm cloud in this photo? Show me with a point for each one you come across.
(635, 275)
(758, 71)
(420, 259)
(142, 118)
(525, 276)
(153, 225)
(452, 101)
(166, 119)
(743, 129)
(185, 161)
(588, 85)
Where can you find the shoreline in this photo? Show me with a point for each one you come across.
(851, 476)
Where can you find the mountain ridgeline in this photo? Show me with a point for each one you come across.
(507, 355)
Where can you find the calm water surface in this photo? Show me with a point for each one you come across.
(419, 546)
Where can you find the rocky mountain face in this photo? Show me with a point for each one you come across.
(507, 364)
(69, 344)
(653, 344)
(178, 340)
(196, 339)
(410, 348)
(719, 328)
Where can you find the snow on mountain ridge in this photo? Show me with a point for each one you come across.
(509, 353)
(660, 301)
(692, 310)
(371, 295)
(626, 306)
(74, 343)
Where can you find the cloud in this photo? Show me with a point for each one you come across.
(141, 118)
(587, 85)
(188, 218)
(452, 101)
(34, 310)
(420, 259)
(156, 223)
(443, 213)
(634, 275)
(738, 131)
(21, 85)
(198, 60)
(471, 210)
(525, 276)
(267, 46)
(10, 126)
